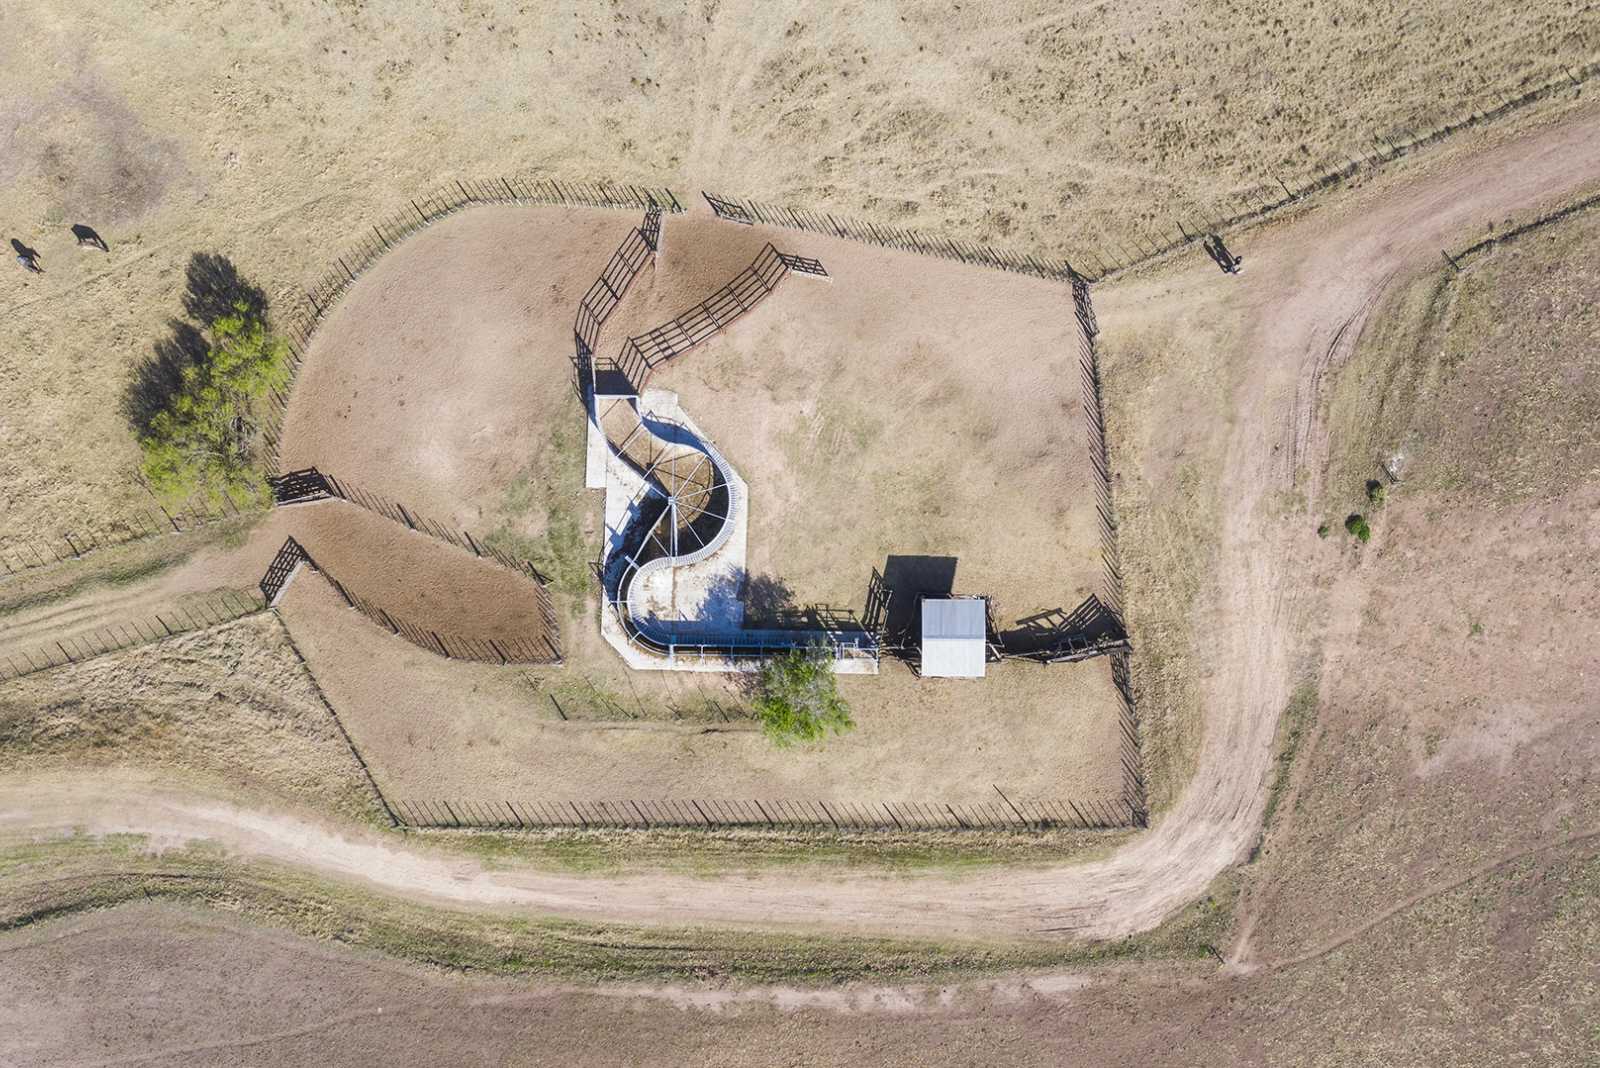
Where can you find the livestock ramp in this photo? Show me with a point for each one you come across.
(677, 528)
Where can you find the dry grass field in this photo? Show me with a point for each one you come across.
(1436, 836)
(1424, 889)
(274, 998)
(1427, 891)
(275, 136)
(1163, 371)
(1482, 384)
(229, 709)
(1460, 698)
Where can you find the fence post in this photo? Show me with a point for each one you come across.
(1009, 805)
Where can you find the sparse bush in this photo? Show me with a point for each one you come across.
(201, 439)
(1357, 525)
(797, 698)
(1377, 493)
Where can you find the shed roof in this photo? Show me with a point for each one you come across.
(954, 637)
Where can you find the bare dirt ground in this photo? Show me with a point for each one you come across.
(868, 415)
(414, 577)
(289, 131)
(442, 380)
(1296, 311)
(434, 729)
(445, 374)
(909, 407)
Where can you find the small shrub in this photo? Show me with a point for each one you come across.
(1357, 525)
(1377, 493)
(1323, 530)
(201, 440)
(797, 698)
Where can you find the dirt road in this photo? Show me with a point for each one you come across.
(1309, 280)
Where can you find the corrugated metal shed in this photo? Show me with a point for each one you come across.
(954, 637)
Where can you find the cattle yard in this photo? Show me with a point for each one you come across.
(743, 439)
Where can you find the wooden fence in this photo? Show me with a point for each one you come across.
(1131, 744)
(1264, 200)
(1191, 221)
(803, 264)
(1510, 234)
(281, 572)
(1099, 455)
(1111, 597)
(300, 324)
(543, 649)
(651, 230)
(193, 615)
(643, 353)
(309, 484)
(747, 211)
(1000, 815)
(25, 553)
(602, 298)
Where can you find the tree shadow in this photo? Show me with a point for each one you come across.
(215, 288)
(768, 601)
(160, 377)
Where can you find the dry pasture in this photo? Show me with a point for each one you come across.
(290, 129)
(1427, 890)
(230, 709)
(1456, 725)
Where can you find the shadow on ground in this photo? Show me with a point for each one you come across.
(214, 288)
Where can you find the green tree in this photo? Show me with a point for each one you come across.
(1357, 525)
(797, 698)
(202, 440)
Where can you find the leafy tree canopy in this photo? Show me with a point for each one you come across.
(798, 700)
(201, 441)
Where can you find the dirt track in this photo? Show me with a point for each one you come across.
(1307, 281)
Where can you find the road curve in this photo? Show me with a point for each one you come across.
(1307, 280)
